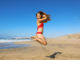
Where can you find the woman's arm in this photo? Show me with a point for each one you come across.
(44, 18)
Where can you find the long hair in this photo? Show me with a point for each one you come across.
(42, 13)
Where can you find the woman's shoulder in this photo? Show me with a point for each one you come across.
(38, 23)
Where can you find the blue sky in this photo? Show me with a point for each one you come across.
(17, 17)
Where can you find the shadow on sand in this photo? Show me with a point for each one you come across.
(54, 54)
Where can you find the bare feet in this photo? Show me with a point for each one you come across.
(33, 37)
(39, 40)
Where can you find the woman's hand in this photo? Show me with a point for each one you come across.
(44, 16)
(42, 19)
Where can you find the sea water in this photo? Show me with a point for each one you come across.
(9, 43)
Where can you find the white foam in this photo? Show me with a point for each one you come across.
(3, 41)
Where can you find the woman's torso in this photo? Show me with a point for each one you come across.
(40, 26)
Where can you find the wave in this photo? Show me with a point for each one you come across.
(11, 40)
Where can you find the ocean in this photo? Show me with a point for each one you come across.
(9, 43)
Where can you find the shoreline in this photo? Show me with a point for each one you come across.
(12, 45)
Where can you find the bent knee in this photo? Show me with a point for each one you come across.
(45, 43)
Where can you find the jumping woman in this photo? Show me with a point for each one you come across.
(41, 19)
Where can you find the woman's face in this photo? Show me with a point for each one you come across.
(38, 16)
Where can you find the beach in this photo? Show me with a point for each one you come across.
(61, 48)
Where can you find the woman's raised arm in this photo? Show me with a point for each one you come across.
(44, 18)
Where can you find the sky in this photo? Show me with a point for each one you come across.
(18, 17)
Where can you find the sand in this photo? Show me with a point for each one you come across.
(62, 48)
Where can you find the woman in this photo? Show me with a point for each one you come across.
(41, 19)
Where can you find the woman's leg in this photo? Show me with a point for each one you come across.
(40, 38)
(41, 41)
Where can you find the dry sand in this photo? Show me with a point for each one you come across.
(62, 48)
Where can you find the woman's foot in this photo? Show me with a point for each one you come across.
(39, 40)
(33, 37)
